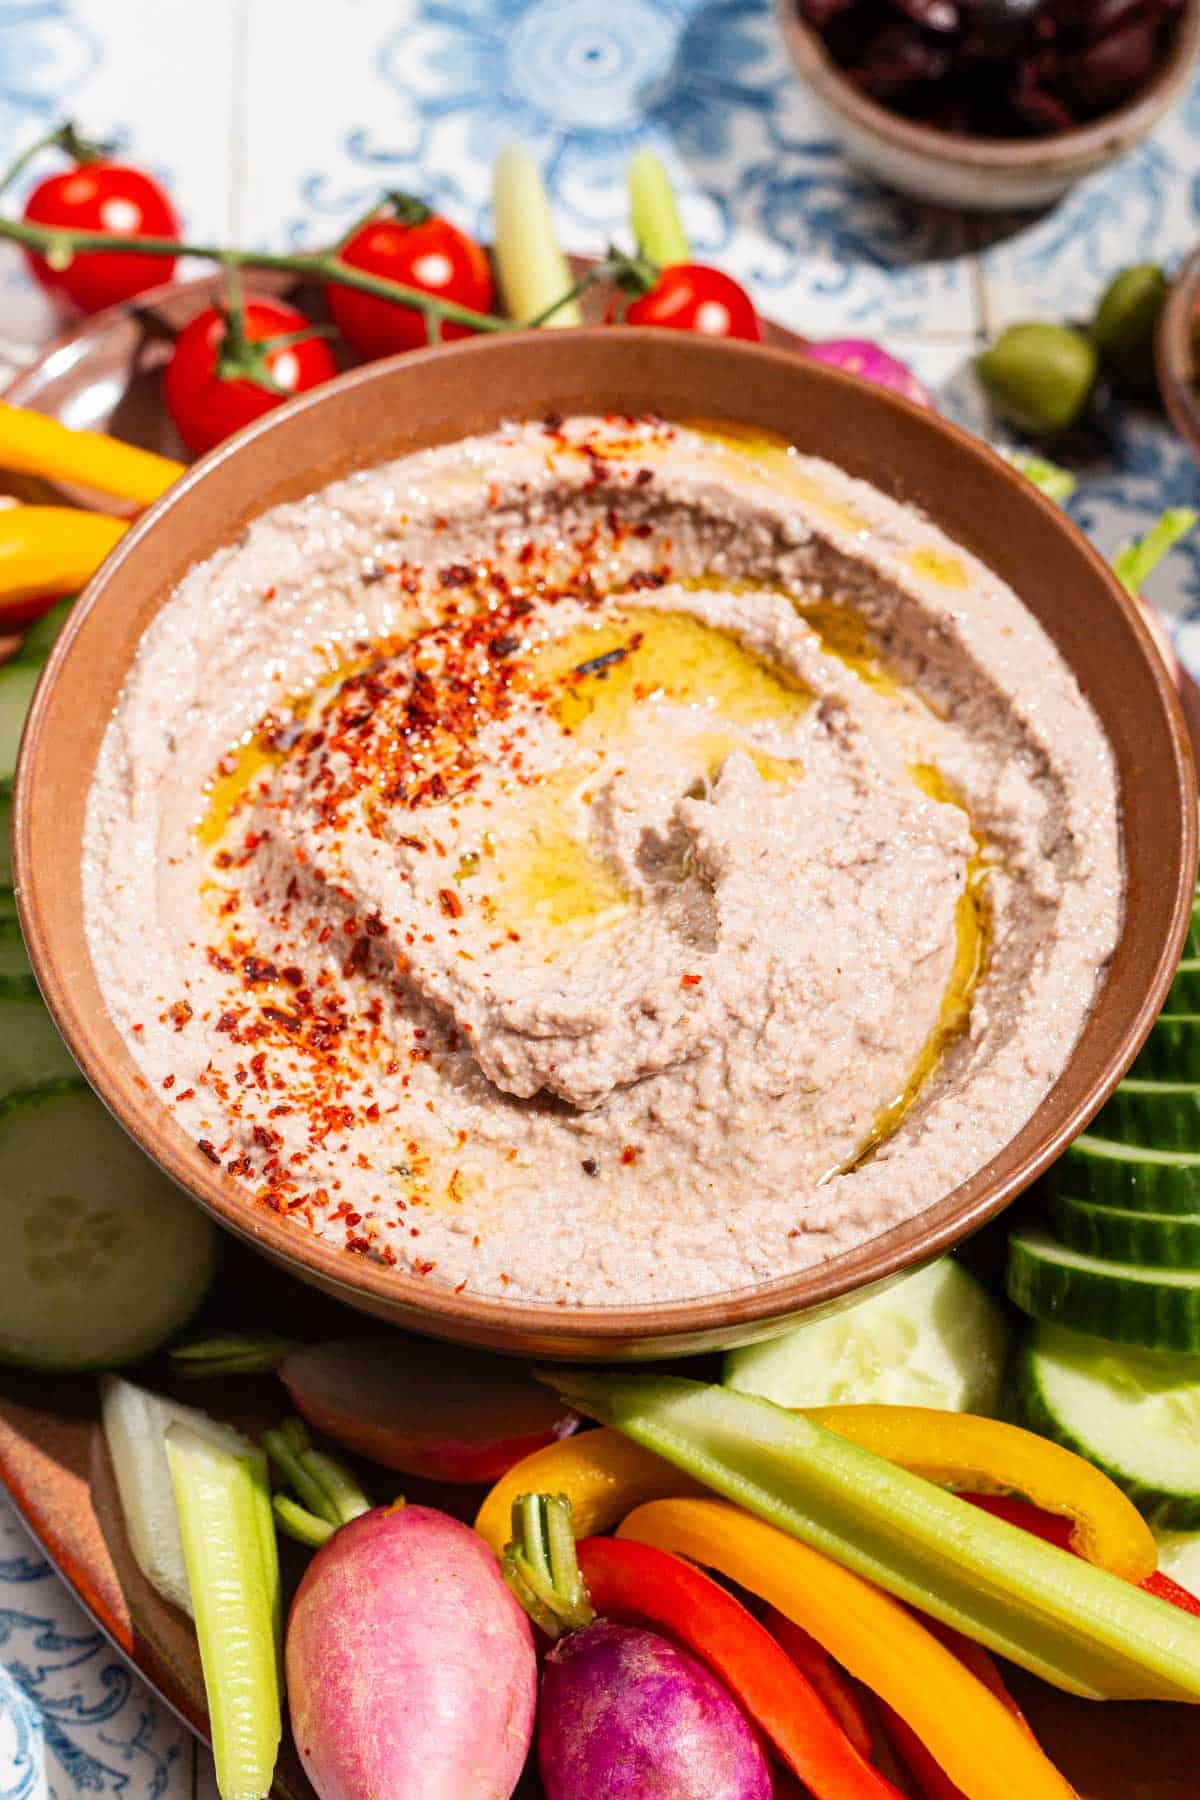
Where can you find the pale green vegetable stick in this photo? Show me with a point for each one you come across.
(222, 1496)
(532, 269)
(657, 230)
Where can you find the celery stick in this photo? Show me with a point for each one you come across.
(532, 269)
(657, 229)
(1136, 561)
(232, 1567)
(1077, 1626)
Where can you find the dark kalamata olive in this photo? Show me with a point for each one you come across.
(1111, 70)
(821, 13)
(1000, 30)
(941, 16)
(1039, 110)
(900, 57)
(1100, 17)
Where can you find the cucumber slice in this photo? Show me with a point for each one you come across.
(936, 1338)
(1134, 1413)
(13, 960)
(18, 679)
(1164, 1240)
(1157, 1309)
(1163, 1114)
(1172, 1051)
(39, 639)
(105, 1259)
(1183, 996)
(1192, 945)
(1179, 1557)
(1113, 1174)
(6, 856)
(31, 1051)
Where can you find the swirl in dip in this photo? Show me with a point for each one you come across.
(600, 862)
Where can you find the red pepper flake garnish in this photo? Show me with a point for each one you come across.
(689, 981)
(629, 1154)
(168, 1082)
(209, 1150)
(179, 1014)
(450, 903)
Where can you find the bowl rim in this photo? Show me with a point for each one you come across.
(485, 1319)
(1079, 146)
(1175, 356)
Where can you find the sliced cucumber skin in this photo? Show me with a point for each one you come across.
(39, 639)
(1192, 945)
(18, 679)
(191, 1272)
(13, 959)
(1104, 1303)
(1183, 996)
(1163, 1240)
(31, 1050)
(1029, 1407)
(1139, 1184)
(1172, 1051)
(1163, 1116)
(6, 855)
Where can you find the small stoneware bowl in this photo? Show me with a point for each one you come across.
(443, 394)
(984, 174)
(1176, 358)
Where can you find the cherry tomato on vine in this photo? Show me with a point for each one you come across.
(102, 196)
(694, 297)
(208, 403)
(410, 244)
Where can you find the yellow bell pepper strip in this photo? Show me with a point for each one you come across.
(1077, 1626)
(32, 444)
(603, 1474)
(51, 550)
(966, 1728)
(986, 1456)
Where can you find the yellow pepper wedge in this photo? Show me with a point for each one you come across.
(602, 1474)
(606, 1475)
(972, 1735)
(986, 1456)
(51, 550)
(32, 444)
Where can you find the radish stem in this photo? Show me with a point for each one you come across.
(231, 1353)
(299, 1524)
(657, 229)
(221, 1493)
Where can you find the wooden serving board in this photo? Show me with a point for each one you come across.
(106, 374)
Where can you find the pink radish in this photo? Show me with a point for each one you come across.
(425, 1409)
(411, 1672)
(861, 356)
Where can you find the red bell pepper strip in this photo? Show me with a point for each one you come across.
(638, 1584)
(1056, 1530)
(826, 1676)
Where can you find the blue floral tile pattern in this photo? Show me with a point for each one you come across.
(74, 1719)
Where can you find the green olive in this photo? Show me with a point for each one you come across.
(1126, 321)
(1039, 377)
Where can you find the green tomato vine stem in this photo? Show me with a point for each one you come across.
(58, 246)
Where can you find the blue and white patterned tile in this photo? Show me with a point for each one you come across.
(1145, 208)
(74, 1718)
(439, 86)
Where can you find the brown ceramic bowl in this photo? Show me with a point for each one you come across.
(1176, 357)
(437, 395)
(984, 174)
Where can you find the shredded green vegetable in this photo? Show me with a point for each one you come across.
(1136, 561)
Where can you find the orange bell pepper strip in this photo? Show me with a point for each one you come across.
(634, 1583)
(51, 550)
(968, 1730)
(964, 1452)
(32, 444)
(829, 1681)
(603, 1474)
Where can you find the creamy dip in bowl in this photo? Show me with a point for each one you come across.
(600, 862)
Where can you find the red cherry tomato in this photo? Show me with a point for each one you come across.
(422, 250)
(208, 407)
(102, 196)
(693, 297)
(15, 615)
